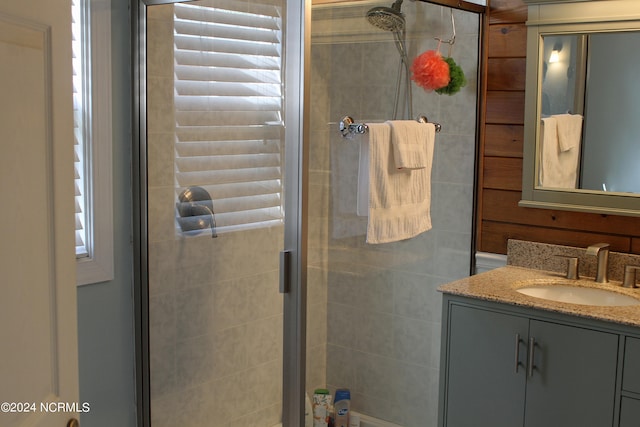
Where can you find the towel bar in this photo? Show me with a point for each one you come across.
(348, 127)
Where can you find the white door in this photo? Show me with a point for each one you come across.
(38, 333)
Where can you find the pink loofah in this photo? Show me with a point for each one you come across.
(430, 71)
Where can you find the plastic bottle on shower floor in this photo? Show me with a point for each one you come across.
(341, 405)
(321, 407)
(308, 412)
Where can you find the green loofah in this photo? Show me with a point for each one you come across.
(457, 79)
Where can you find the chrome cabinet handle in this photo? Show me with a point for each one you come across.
(517, 353)
(532, 345)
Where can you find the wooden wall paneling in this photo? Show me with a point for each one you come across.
(507, 40)
(506, 73)
(503, 11)
(505, 107)
(495, 236)
(502, 206)
(498, 216)
(503, 173)
(503, 140)
(498, 35)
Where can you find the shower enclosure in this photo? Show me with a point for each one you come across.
(249, 294)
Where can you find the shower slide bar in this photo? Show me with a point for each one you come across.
(348, 127)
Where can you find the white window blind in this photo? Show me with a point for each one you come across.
(228, 108)
(79, 103)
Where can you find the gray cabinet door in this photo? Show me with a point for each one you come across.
(631, 371)
(574, 377)
(629, 412)
(483, 387)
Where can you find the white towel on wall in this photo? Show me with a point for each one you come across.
(408, 138)
(399, 200)
(558, 169)
(569, 130)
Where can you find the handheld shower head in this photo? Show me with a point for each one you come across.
(392, 19)
(387, 18)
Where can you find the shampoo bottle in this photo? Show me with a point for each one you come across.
(341, 405)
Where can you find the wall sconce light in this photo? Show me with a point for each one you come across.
(555, 53)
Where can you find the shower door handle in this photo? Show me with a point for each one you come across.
(285, 271)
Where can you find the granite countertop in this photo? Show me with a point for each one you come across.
(500, 285)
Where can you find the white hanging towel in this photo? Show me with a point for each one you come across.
(408, 138)
(362, 199)
(569, 130)
(399, 199)
(558, 169)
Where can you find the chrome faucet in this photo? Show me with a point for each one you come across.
(601, 250)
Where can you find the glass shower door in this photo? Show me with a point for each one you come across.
(374, 312)
(219, 195)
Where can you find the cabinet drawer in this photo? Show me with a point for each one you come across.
(629, 412)
(631, 372)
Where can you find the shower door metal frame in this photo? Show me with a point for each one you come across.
(296, 60)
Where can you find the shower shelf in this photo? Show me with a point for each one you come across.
(348, 127)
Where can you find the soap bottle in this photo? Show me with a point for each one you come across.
(341, 404)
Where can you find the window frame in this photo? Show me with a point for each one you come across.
(98, 266)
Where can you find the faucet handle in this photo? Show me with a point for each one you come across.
(630, 276)
(572, 266)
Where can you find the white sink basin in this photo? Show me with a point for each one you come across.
(578, 295)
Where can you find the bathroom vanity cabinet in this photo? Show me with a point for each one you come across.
(507, 366)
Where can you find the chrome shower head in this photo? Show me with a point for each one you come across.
(387, 18)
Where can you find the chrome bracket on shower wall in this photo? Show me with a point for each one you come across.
(349, 128)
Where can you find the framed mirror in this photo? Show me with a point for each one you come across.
(582, 110)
